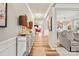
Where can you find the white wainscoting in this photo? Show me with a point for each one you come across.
(8, 47)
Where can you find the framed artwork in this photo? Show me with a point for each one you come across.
(50, 23)
(3, 14)
(59, 24)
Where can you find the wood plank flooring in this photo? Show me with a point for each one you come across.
(41, 47)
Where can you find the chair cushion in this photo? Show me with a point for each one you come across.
(74, 43)
(64, 33)
(76, 40)
(70, 35)
(74, 48)
(76, 36)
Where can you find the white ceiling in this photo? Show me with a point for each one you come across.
(42, 7)
(67, 5)
(38, 8)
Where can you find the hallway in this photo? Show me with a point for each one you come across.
(41, 47)
(39, 29)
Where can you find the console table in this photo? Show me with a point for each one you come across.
(24, 45)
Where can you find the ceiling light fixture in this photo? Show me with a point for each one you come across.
(38, 15)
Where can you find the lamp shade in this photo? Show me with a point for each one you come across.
(23, 20)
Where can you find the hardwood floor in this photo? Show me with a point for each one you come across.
(41, 47)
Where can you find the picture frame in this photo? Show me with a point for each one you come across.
(3, 14)
(50, 23)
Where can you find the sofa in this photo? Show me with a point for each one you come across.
(69, 40)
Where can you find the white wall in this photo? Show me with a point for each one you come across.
(12, 27)
(14, 10)
(53, 33)
(69, 14)
(45, 26)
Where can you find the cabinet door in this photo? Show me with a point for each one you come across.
(21, 46)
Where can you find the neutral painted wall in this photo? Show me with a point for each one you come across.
(12, 27)
(45, 26)
(69, 14)
(8, 34)
(53, 33)
(13, 12)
